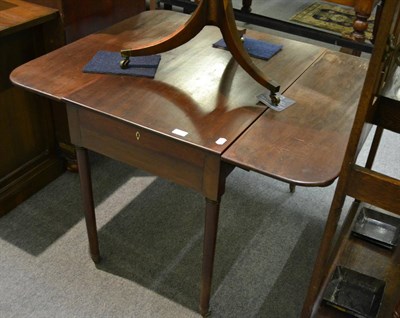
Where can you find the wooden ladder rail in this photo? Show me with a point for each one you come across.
(360, 182)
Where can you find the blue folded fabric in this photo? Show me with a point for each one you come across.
(106, 62)
(255, 48)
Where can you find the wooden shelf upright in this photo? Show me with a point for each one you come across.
(379, 105)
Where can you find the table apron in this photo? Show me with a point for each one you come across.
(164, 156)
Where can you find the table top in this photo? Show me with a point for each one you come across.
(197, 89)
(59, 73)
(17, 15)
(201, 90)
(305, 144)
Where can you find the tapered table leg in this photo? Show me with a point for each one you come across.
(210, 238)
(88, 205)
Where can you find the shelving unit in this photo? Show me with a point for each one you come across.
(379, 105)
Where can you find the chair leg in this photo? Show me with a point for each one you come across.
(153, 4)
(246, 6)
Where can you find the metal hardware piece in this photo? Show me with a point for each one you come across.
(124, 63)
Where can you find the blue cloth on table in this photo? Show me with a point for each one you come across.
(256, 48)
(106, 62)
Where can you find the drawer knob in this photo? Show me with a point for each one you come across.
(137, 135)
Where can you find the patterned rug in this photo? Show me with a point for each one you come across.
(335, 18)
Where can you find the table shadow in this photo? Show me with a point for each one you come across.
(41, 220)
(156, 241)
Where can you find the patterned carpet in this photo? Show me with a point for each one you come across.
(335, 18)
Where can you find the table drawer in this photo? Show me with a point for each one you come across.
(158, 154)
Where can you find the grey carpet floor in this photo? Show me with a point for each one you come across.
(150, 233)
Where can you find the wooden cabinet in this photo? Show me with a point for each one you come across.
(34, 131)
(78, 19)
(28, 157)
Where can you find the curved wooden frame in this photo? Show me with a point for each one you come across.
(209, 12)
